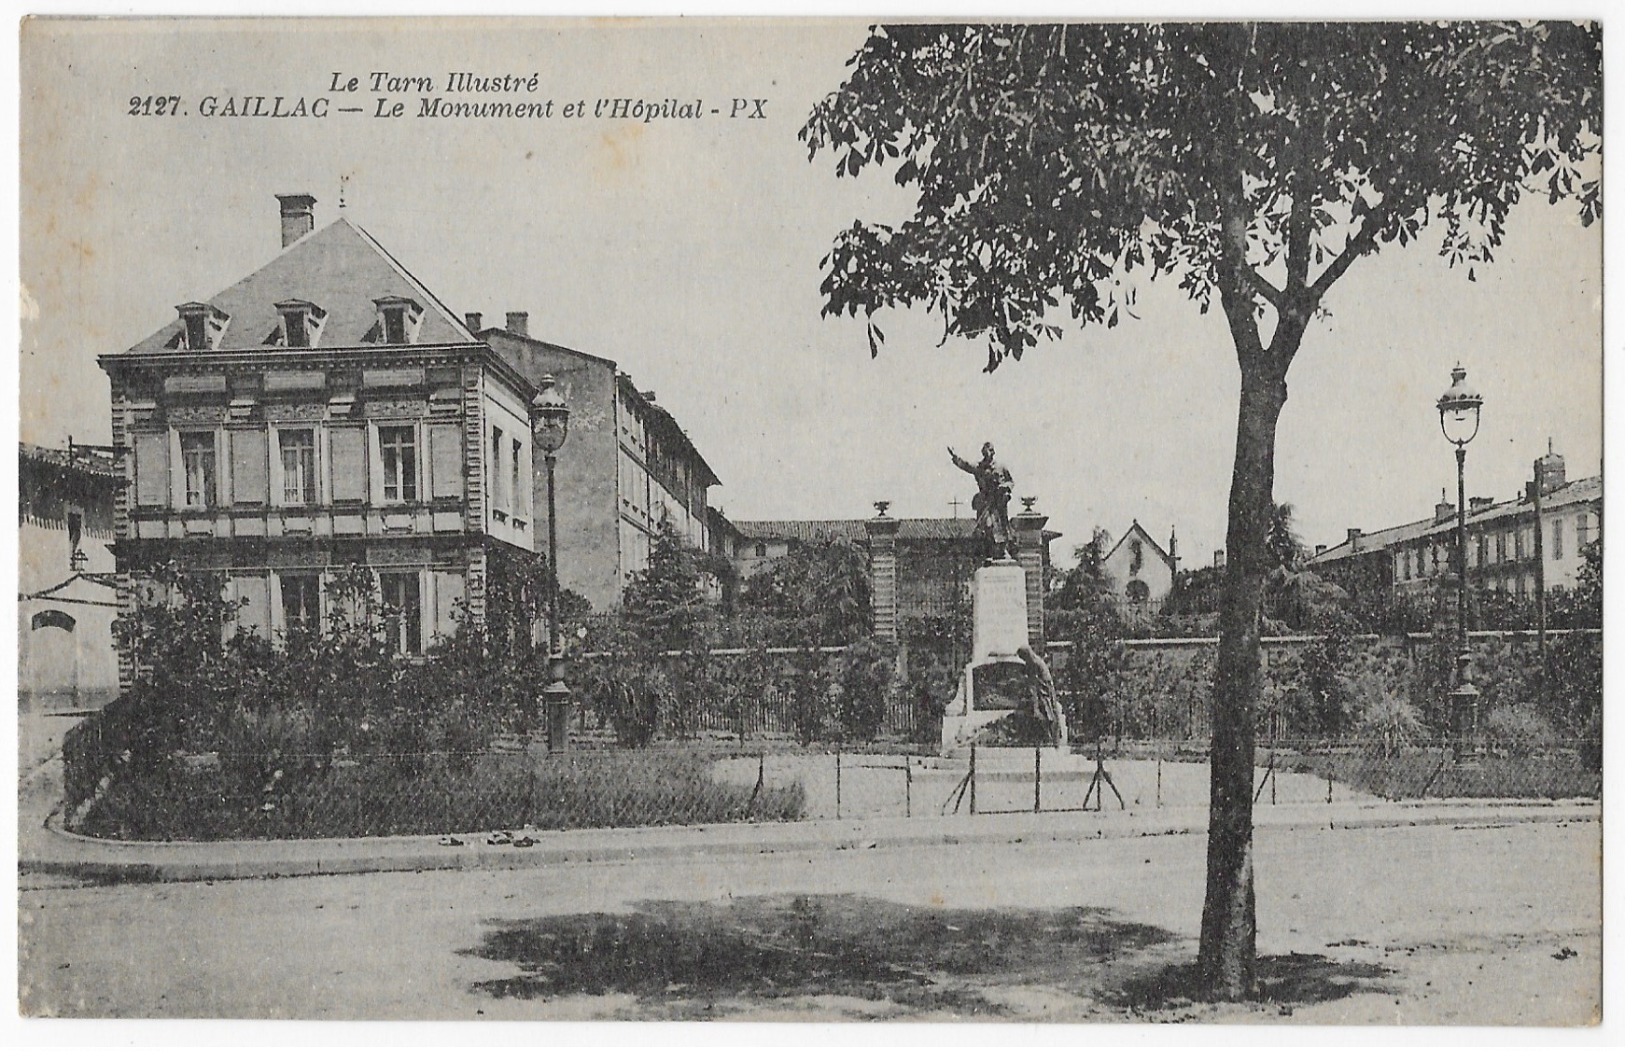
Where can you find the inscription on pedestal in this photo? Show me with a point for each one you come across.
(1000, 606)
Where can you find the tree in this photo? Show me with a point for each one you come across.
(665, 601)
(1252, 163)
(820, 589)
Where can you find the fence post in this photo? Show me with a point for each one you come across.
(908, 786)
(1038, 779)
(837, 784)
(973, 779)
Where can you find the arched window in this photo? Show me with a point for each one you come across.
(52, 618)
(1138, 591)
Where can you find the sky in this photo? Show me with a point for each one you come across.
(688, 251)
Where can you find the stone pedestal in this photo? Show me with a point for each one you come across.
(991, 684)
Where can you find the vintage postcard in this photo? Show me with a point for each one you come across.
(812, 520)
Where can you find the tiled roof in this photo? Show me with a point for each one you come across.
(812, 530)
(1581, 490)
(341, 269)
(1139, 530)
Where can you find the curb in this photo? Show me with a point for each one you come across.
(422, 854)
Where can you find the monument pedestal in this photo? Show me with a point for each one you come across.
(1003, 674)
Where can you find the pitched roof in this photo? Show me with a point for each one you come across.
(1579, 491)
(1138, 529)
(341, 269)
(90, 461)
(813, 530)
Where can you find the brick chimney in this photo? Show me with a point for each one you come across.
(1320, 549)
(519, 323)
(298, 216)
(472, 321)
(1551, 470)
(1476, 504)
(1354, 539)
(1444, 510)
(1218, 558)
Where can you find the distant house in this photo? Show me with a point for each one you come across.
(936, 558)
(1140, 570)
(67, 597)
(1416, 556)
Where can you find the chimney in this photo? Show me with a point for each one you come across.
(298, 216)
(1354, 539)
(648, 396)
(1476, 504)
(1218, 558)
(1320, 549)
(472, 321)
(1173, 546)
(1551, 472)
(519, 323)
(1444, 510)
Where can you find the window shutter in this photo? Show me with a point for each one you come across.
(448, 587)
(446, 460)
(152, 470)
(250, 467)
(349, 458)
(255, 613)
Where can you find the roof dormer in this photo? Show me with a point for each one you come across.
(300, 324)
(399, 319)
(201, 326)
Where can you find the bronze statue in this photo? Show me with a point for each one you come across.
(992, 501)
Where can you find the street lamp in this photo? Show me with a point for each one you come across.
(550, 424)
(1458, 419)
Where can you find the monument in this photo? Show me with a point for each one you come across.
(1005, 675)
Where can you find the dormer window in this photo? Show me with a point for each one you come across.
(201, 326)
(301, 323)
(399, 319)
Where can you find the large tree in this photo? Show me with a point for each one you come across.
(1252, 163)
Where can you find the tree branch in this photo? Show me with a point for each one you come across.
(1358, 245)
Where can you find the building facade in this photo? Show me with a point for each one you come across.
(67, 595)
(1140, 570)
(1501, 542)
(626, 466)
(325, 411)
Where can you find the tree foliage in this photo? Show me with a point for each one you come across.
(1251, 163)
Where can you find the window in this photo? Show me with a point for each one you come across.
(197, 459)
(403, 610)
(301, 602)
(399, 319)
(395, 325)
(298, 466)
(398, 446)
(1138, 591)
(1517, 545)
(1482, 543)
(1501, 547)
(499, 499)
(761, 550)
(201, 326)
(515, 490)
(1582, 532)
(1557, 538)
(301, 323)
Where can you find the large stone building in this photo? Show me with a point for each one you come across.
(626, 465)
(1412, 558)
(918, 566)
(325, 410)
(65, 578)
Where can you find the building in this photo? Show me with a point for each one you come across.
(932, 561)
(626, 465)
(67, 597)
(325, 410)
(1501, 547)
(1140, 571)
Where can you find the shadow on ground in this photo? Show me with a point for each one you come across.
(701, 959)
(1286, 982)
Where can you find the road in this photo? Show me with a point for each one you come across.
(1497, 925)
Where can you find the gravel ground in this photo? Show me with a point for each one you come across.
(1421, 925)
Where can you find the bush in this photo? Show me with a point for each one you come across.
(1521, 729)
(867, 677)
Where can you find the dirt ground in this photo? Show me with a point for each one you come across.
(1416, 925)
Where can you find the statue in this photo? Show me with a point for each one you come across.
(991, 503)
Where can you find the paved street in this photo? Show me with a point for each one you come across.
(1483, 925)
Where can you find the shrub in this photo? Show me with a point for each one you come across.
(867, 676)
(1520, 728)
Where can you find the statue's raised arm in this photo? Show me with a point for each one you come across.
(960, 462)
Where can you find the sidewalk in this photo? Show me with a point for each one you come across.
(45, 848)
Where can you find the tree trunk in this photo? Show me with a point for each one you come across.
(1229, 928)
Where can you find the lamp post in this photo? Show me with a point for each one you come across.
(1458, 419)
(550, 425)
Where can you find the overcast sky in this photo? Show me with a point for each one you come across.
(688, 251)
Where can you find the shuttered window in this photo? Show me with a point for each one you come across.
(255, 613)
(446, 460)
(152, 470)
(250, 467)
(349, 459)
